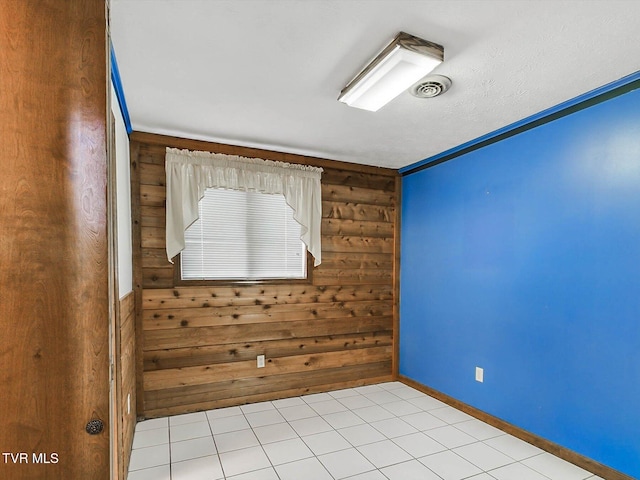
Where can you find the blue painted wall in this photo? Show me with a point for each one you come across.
(523, 257)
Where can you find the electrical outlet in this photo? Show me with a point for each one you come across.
(128, 404)
(479, 374)
(260, 361)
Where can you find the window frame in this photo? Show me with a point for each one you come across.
(178, 281)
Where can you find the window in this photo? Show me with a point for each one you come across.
(190, 174)
(243, 236)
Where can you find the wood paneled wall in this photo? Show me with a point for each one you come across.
(199, 344)
(126, 381)
(54, 262)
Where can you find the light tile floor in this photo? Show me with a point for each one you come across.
(387, 431)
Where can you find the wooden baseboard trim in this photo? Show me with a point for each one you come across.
(577, 459)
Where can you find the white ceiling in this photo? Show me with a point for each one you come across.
(267, 73)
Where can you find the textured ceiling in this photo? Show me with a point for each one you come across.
(267, 73)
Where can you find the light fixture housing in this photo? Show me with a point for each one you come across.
(402, 63)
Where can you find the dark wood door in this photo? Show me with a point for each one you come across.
(54, 273)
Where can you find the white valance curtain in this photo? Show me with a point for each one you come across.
(190, 173)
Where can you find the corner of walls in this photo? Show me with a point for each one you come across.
(125, 340)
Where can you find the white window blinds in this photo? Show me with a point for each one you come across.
(243, 236)
(190, 173)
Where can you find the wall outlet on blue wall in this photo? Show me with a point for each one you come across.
(479, 374)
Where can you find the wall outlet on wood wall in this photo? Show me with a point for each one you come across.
(260, 361)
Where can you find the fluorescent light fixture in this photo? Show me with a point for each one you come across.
(402, 63)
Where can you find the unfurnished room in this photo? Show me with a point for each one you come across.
(320, 240)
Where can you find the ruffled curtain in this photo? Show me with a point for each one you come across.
(190, 173)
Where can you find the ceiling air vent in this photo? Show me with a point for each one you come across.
(431, 86)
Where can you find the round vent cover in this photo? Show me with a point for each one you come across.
(431, 86)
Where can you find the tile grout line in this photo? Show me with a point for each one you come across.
(215, 445)
(169, 436)
(260, 442)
